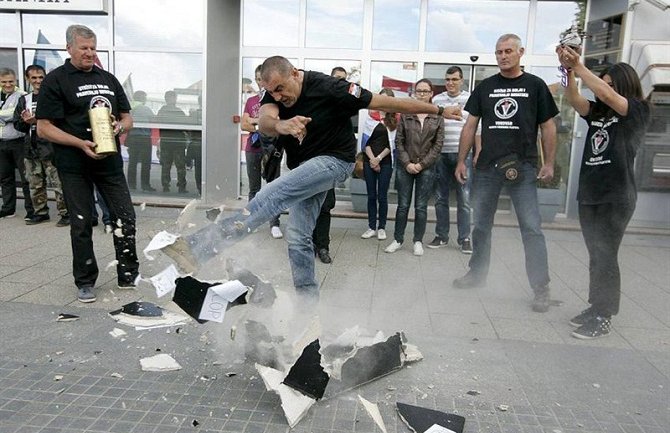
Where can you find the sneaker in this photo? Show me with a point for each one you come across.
(29, 216)
(324, 256)
(596, 327)
(368, 234)
(583, 317)
(128, 284)
(469, 281)
(466, 246)
(37, 219)
(276, 232)
(438, 242)
(541, 300)
(85, 294)
(6, 214)
(393, 247)
(64, 221)
(109, 228)
(181, 253)
(381, 234)
(418, 248)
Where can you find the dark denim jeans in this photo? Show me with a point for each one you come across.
(11, 158)
(377, 184)
(486, 187)
(78, 191)
(445, 167)
(425, 184)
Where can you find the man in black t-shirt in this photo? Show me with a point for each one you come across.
(511, 106)
(67, 94)
(310, 113)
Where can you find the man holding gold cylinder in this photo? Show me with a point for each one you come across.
(83, 109)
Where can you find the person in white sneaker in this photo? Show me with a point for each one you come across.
(378, 169)
(419, 141)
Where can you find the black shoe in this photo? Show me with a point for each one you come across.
(466, 246)
(469, 281)
(29, 216)
(64, 221)
(596, 327)
(541, 300)
(126, 283)
(148, 188)
(324, 256)
(94, 223)
(37, 219)
(583, 317)
(7, 214)
(438, 242)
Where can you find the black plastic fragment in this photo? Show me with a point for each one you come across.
(420, 419)
(307, 374)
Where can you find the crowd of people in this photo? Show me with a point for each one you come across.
(476, 144)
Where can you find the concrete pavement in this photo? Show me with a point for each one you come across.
(484, 340)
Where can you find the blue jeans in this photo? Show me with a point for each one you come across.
(425, 182)
(486, 188)
(302, 191)
(377, 184)
(446, 166)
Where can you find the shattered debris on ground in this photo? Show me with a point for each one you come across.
(145, 315)
(160, 362)
(423, 420)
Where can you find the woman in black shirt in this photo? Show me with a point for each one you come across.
(607, 194)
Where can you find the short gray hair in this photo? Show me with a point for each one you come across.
(278, 64)
(78, 30)
(7, 71)
(512, 36)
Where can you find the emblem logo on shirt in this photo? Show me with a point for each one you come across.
(599, 141)
(100, 101)
(355, 90)
(506, 108)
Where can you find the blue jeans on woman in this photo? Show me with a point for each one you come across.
(302, 190)
(377, 184)
(425, 183)
(486, 187)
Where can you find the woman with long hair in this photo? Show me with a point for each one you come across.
(419, 142)
(617, 121)
(378, 169)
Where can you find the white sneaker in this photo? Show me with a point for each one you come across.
(381, 234)
(393, 247)
(418, 248)
(276, 232)
(109, 228)
(368, 234)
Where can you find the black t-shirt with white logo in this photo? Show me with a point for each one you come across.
(510, 110)
(607, 173)
(330, 102)
(65, 97)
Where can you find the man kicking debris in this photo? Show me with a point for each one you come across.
(310, 114)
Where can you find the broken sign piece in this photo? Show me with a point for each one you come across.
(294, 403)
(161, 240)
(145, 315)
(161, 362)
(422, 420)
(213, 213)
(164, 281)
(374, 413)
(218, 298)
(263, 294)
(65, 317)
(191, 294)
(307, 374)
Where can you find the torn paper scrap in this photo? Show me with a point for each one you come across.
(164, 281)
(294, 404)
(161, 240)
(160, 362)
(422, 420)
(218, 297)
(374, 413)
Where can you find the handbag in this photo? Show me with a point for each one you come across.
(271, 160)
(509, 167)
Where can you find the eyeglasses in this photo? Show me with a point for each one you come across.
(452, 79)
(423, 92)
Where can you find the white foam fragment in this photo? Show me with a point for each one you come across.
(374, 413)
(164, 282)
(294, 404)
(117, 332)
(161, 240)
(160, 362)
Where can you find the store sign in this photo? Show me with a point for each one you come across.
(56, 6)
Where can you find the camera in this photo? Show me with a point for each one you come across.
(474, 58)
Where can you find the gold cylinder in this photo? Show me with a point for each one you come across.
(103, 133)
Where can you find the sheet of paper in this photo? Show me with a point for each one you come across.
(162, 239)
(164, 281)
(216, 301)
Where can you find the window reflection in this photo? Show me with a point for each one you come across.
(436, 72)
(8, 59)
(159, 23)
(50, 59)
(334, 24)
(9, 33)
(271, 23)
(473, 26)
(395, 24)
(53, 27)
(179, 72)
(552, 19)
(397, 76)
(353, 67)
